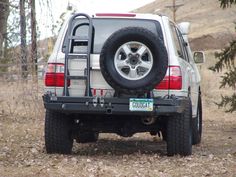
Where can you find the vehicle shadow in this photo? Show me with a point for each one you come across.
(121, 147)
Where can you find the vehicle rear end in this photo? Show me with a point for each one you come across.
(110, 73)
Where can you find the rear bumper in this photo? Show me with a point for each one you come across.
(115, 106)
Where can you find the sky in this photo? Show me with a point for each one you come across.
(59, 6)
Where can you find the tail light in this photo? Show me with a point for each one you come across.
(54, 76)
(172, 80)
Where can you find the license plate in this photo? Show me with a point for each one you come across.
(138, 104)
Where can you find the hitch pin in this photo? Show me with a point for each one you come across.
(102, 101)
(95, 101)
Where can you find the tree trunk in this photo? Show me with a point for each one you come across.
(24, 68)
(4, 13)
(33, 40)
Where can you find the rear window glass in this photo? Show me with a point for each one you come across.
(102, 30)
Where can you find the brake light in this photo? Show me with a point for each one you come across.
(115, 15)
(172, 80)
(54, 76)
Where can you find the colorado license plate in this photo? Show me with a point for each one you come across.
(138, 104)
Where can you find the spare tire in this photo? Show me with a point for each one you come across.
(133, 60)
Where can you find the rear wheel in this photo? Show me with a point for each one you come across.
(197, 123)
(179, 132)
(57, 133)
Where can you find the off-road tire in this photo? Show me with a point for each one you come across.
(57, 133)
(197, 123)
(157, 71)
(179, 132)
(87, 137)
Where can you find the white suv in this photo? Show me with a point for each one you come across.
(122, 73)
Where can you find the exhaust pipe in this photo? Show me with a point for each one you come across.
(148, 120)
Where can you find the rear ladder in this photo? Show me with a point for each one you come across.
(83, 55)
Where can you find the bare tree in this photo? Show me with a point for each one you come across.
(33, 38)
(24, 68)
(4, 13)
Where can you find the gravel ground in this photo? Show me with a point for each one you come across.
(22, 152)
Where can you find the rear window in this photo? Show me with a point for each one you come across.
(103, 28)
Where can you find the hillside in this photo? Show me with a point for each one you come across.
(211, 26)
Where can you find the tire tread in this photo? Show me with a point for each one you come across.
(57, 133)
(178, 132)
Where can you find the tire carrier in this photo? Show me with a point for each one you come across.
(68, 55)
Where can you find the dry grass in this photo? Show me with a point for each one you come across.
(21, 99)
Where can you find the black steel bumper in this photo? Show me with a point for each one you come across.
(115, 106)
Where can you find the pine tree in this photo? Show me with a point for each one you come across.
(226, 59)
